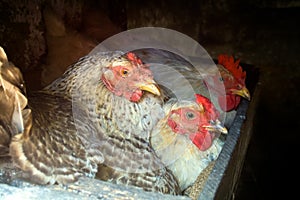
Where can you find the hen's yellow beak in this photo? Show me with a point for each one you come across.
(216, 127)
(150, 87)
(244, 92)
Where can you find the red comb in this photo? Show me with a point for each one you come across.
(232, 67)
(132, 57)
(208, 106)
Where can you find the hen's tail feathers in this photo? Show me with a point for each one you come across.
(13, 102)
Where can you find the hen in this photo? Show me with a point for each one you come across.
(95, 118)
(186, 139)
(233, 77)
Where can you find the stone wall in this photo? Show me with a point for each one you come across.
(44, 37)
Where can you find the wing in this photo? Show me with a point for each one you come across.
(120, 132)
(133, 162)
(50, 150)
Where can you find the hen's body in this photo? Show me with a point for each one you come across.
(177, 147)
(81, 126)
(50, 149)
(183, 157)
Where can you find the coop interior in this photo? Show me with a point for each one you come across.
(44, 37)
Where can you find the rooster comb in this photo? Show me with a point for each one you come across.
(232, 66)
(133, 58)
(208, 106)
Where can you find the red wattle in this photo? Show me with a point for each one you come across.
(231, 102)
(173, 125)
(136, 96)
(202, 140)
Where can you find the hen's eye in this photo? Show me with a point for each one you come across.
(239, 87)
(124, 72)
(190, 115)
(221, 79)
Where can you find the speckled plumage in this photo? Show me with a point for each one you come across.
(50, 149)
(79, 127)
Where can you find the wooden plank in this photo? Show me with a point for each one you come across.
(223, 180)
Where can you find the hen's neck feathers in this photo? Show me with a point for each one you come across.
(84, 73)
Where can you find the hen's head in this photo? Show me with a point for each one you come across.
(233, 78)
(127, 76)
(199, 121)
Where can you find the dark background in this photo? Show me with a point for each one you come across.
(261, 33)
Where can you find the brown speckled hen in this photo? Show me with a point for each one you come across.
(95, 118)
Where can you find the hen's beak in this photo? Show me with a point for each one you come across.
(150, 87)
(216, 127)
(244, 92)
